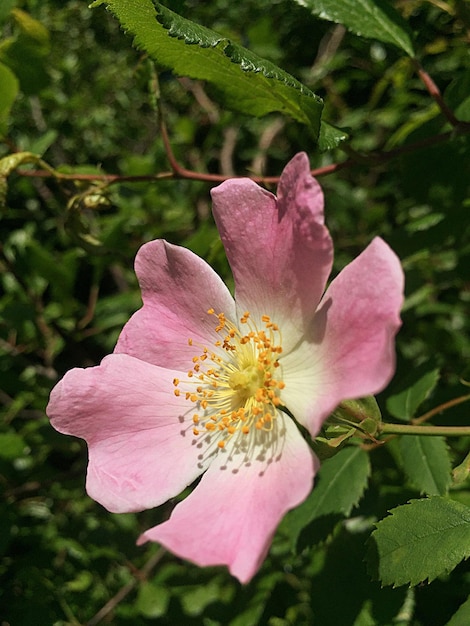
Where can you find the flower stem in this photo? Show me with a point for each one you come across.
(417, 429)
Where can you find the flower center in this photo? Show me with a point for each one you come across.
(246, 382)
(235, 388)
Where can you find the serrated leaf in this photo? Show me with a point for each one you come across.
(247, 82)
(420, 541)
(426, 462)
(340, 483)
(414, 389)
(375, 19)
(330, 137)
(462, 617)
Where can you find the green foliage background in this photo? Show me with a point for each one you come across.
(74, 91)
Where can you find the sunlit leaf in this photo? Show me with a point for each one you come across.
(247, 82)
(420, 540)
(375, 19)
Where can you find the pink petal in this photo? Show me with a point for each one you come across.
(349, 352)
(279, 250)
(178, 288)
(141, 447)
(232, 515)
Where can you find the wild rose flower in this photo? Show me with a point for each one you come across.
(198, 381)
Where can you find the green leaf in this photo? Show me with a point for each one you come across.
(11, 445)
(5, 8)
(340, 483)
(420, 540)
(196, 598)
(462, 617)
(152, 600)
(33, 29)
(457, 95)
(426, 462)
(8, 94)
(25, 52)
(359, 411)
(254, 600)
(414, 389)
(375, 19)
(247, 82)
(9, 164)
(330, 137)
(461, 472)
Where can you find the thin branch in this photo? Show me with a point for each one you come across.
(179, 172)
(124, 591)
(440, 408)
(435, 93)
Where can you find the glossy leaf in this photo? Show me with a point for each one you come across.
(247, 82)
(420, 540)
(375, 19)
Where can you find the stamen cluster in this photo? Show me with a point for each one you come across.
(235, 386)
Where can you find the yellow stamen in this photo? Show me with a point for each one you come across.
(237, 387)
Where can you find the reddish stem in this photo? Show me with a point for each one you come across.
(435, 93)
(181, 172)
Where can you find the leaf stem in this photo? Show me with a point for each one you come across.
(417, 429)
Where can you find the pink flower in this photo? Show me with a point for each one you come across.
(198, 381)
